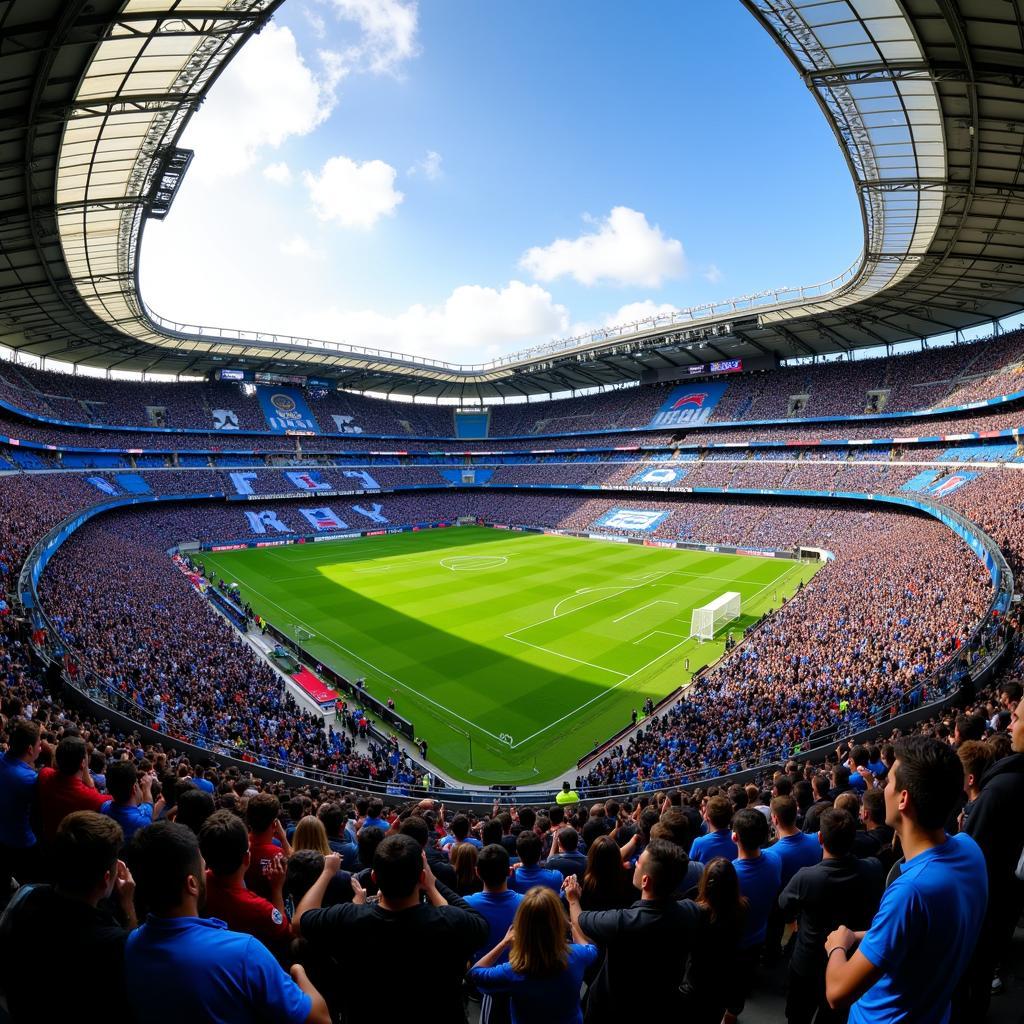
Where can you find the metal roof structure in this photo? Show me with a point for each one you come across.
(926, 98)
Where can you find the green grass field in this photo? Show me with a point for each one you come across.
(482, 635)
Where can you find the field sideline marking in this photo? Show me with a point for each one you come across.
(650, 604)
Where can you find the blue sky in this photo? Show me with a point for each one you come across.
(460, 179)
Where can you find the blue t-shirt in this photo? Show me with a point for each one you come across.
(796, 852)
(524, 879)
(193, 969)
(17, 788)
(924, 933)
(131, 819)
(451, 841)
(498, 908)
(759, 882)
(554, 1000)
(204, 784)
(715, 844)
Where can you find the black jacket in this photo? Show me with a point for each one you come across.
(997, 825)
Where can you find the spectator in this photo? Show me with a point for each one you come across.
(793, 848)
(535, 965)
(529, 873)
(374, 810)
(567, 796)
(875, 838)
(822, 801)
(180, 967)
(496, 902)
(66, 788)
(224, 843)
(132, 804)
(267, 841)
(18, 780)
(606, 885)
(463, 860)
(193, 808)
(819, 897)
(309, 834)
(565, 856)
(443, 871)
(333, 818)
(432, 940)
(718, 841)
(976, 757)
(649, 940)
(905, 967)
(710, 972)
(86, 872)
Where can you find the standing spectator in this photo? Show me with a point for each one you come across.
(463, 859)
(875, 838)
(819, 897)
(497, 902)
(565, 856)
(906, 966)
(66, 788)
(542, 972)
(649, 940)
(529, 873)
(86, 871)
(18, 780)
(374, 816)
(224, 843)
(439, 864)
(722, 911)
(822, 801)
(976, 757)
(606, 885)
(267, 840)
(718, 841)
(180, 967)
(793, 849)
(432, 940)
(340, 840)
(132, 804)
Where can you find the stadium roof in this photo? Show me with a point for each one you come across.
(926, 98)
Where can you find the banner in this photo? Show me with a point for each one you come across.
(663, 475)
(949, 485)
(102, 484)
(369, 484)
(225, 419)
(689, 404)
(309, 480)
(285, 409)
(633, 519)
(374, 512)
(242, 482)
(132, 483)
(344, 425)
(259, 522)
(323, 519)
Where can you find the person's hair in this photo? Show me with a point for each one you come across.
(121, 779)
(490, 832)
(874, 805)
(593, 829)
(304, 868)
(162, 856)
(1001, 746)
(783, 786)
(751, 828)
(838, 830)
(367, 842)
(261, 811)
(975, 756)
(821, 785)
(374, 807)
(719, 812)
(737, 795)
(194, 807)
(539, 945)
(224, 842)
(460, 826)
(310, 834)
(332, 817)
(859, 756)
(784, 809)
(528, 847)
(675, 827)
(665, 865)
(970, 727)
(931, 773)
(492, 865)
(417, 828)
(22, 736)
(397, 865)
(71, 753)
(603, 875)
(464, 859)
(841, 775)
(568, 839)
(803, 794)
(719, 894)
(527, 818)
(85, 849)
(556, 814)
(848, 802)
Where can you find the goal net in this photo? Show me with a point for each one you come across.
(707, 620)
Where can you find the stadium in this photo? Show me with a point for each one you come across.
(701, 586)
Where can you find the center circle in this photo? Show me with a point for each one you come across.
(473, 563)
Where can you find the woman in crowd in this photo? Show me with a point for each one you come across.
(606, 884)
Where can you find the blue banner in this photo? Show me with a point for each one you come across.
(689, 403)
(921, 481)
(659, 476)
(285, 409)
(636, 520)
(950, 484)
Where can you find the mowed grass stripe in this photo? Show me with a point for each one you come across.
(442, 633)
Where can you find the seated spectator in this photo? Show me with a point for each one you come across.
(180, 967)
(649, 940)
(722, 911)
(131, 804)
(818, 897)
(718, 841)
(463, 861)
(267, 840)
(224, 843)
(907, 964)
(18, 780)
(432, 940)
(529, 873)
(535, 965)
(606, 884)
(565, 856)
(66, 788)
(86, 871)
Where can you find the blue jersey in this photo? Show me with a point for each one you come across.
(796, 852)
(131, 819)
(759, 882)
(499, 908)
(524, 879)
(17, 790)
(715, 844)
(924, 934)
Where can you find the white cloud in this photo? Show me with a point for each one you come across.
(624, 250)
(279, 173)
(299, 247)
(634, 311)
(429, 166)
(351, 194)
(473, 323)
(388, 32)
(266, 94)
(712, 275)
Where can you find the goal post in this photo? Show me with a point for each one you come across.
(709, 619)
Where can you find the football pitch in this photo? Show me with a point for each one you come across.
(512, 654)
